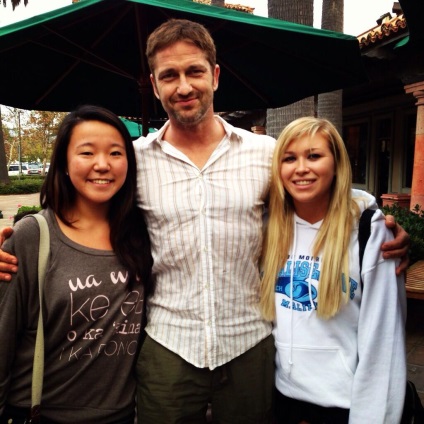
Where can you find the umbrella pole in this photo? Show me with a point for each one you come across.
(145, 92)
(144, 85)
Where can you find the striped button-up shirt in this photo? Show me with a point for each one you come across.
(206, 232)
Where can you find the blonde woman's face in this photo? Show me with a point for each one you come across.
(307, 171)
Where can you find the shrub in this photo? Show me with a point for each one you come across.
(412, 222)
(25, 210)
(29, 209)
(24, 185)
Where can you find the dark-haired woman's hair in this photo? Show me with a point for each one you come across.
(128, 230)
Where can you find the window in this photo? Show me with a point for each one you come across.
(355, 137)
(383, 134)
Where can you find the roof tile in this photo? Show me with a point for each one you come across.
(389, 27)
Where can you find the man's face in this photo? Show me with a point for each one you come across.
(184, 82)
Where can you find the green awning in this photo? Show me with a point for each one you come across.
(93, 52)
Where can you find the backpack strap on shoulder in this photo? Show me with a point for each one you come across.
(364, 233)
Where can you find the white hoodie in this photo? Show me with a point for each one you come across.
(355, 360)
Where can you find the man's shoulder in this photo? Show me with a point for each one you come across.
(245, 135)
(142, 142)
(250, 137)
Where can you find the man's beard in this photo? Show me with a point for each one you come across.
(190, 119)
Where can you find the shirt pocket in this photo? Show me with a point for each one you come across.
(321, 372)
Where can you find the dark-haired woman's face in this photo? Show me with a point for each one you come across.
(97, 161)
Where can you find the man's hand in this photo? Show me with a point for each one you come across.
(397, 248)
(8, 263)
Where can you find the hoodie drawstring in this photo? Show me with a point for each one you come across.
(293, 261)
(311, 301)
(291, 298)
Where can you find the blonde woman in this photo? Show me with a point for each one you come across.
(340, 343)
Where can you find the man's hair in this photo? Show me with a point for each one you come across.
(174, 30)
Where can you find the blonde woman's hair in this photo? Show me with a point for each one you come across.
(334, 235)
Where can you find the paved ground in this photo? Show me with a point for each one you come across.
(415, 344)
(10, 204)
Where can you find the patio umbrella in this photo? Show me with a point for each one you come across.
(93, 52)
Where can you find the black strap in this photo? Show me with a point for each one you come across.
(364, 233)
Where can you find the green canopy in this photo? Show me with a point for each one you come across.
(134, 128)
(93, 52)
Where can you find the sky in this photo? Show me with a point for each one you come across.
(360, 15)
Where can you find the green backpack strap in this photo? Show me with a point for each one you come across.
(38, 364)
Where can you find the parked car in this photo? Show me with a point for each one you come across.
(33, 169)
(14, 170)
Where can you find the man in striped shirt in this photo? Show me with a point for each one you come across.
(203, 185)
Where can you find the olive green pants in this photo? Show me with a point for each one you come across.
(172, 391)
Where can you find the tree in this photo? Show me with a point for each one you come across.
(301, 12)
(43, 127)
(8, 142)
(14, 3)
(4, 177)
(12, 133)
(31, 133)
(330, 104)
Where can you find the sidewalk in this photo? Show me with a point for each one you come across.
(10, 204)
(415, 344)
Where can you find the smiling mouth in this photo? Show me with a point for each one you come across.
(185, 99)
(303, 182)
(101, 182)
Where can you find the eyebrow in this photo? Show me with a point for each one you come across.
(306, 150)
(188, 69)
(90, 143)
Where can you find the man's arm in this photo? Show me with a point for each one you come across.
(397, 248)
(8, 263)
